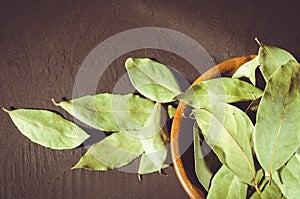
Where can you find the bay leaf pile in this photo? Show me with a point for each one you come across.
(259, 159)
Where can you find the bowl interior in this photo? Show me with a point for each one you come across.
(182, 133)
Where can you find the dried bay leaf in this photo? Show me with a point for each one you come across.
(288, 177)
(152, 79)
(206, 162)
(277, 128)
(114, 151)
(147, 165)
(226, 185)
(47, 128)
(271, 58)
(219, 90)
(228, 131)
(153, 140)
(110, 112)
(248, 70)
(121, 148)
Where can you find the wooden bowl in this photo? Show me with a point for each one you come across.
(225, 68)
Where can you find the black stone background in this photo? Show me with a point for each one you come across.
(43, 43)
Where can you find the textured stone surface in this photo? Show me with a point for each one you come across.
(43, 43)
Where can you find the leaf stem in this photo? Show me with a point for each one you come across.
(263, 47)
(5, 110)
(54, 102)
(249, 106)
(259, 43)
(139, 177)
(257, 189)
(270, 180)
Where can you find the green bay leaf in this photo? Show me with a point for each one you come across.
(228, 131)
(121, 148)
(219, 90)
(114, 151)
(153, 140)
(206, 162)
(153, 161)
(277, 128)
(225, 185)
(248, 70)
(48, 128)
(271, 58)
(110, 112)
(152, 79)
(288, 177)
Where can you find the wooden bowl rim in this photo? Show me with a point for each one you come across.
(227, 67)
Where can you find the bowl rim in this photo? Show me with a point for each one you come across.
(227, 67)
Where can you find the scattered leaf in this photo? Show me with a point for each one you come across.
(47, 128)
(114, 151)
(152, 138)
(278, 114)
(152, 79)
(120, 148)
(148, 166)
(247, 70)
(226, 185)
(228, 131)
(110, 112)
(219, 90)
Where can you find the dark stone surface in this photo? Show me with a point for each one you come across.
(43, 43)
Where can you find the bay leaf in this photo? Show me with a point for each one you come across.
(248, 70)
(155, 154)
(219, 90)
(277, 128)
(225, 185)
(114, 151)
(153, 140)
(110, 112)
(228, 131)
(206, 162)
(148, 166)
(47, 128)
(153, 124)
(268, 190)
(271, 58)
(120, 148)
(288, 177)
(152, 79)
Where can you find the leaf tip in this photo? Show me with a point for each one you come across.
(75, 167)
(128, 63)
(54, 102)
